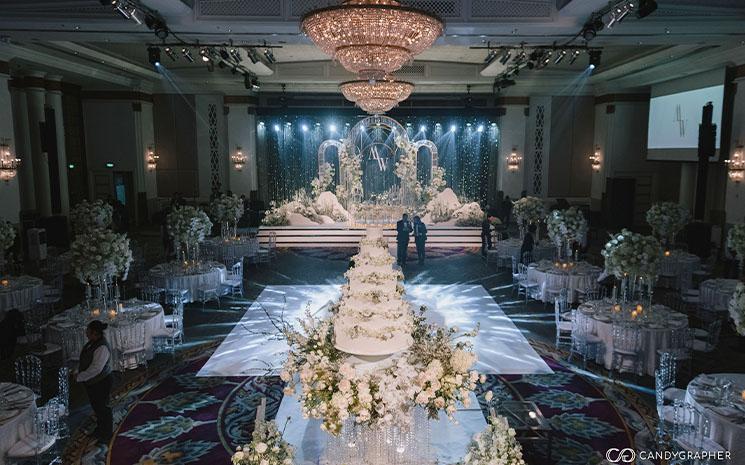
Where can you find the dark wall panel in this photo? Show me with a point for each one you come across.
(572, 132)
(174, 122)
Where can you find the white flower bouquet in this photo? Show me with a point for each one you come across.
(736, 240)
(324, 179)
(7, 235)
(737, 309)
(566, 226)
(227, 208)
(267, 447)
(88, 215)
(469, 214)
(633, 254)
(350, 168)
(188, 225)
(275, 216)
(100, 253)
(529, 210)
(494, 446)
(667, 218)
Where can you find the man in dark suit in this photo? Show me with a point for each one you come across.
(420, 238)
(403, 231)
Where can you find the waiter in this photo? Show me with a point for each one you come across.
(95, 374)
(403, 231)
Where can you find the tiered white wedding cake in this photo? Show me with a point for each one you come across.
(373, 319)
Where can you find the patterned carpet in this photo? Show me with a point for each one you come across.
(176, 418)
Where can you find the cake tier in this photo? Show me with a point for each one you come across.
(365, 309)
(349, 339)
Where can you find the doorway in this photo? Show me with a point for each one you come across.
(124, 207)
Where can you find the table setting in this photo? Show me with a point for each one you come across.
(714, 294)
(721, 397)
(231, 248)
(17, 410)
(19, 292)
(656, 325)
(572, 276)
(511, 247)
(188, 276)
(681, 264)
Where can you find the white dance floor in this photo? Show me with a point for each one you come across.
(252, 348)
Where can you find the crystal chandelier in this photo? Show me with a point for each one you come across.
(376, 97)
(238, 159)
(736, 165)
(372, 38)
(8, 163)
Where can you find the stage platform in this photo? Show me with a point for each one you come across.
(341, 236)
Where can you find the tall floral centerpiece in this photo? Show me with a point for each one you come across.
(566, 227)
(98, 256)
(736, 242)
(7, 238)
(737, 309)
(90, 215)
(527, 211)
(667, 219)
(631, 256)
(267, 447)
(188, 226)
(227, 210)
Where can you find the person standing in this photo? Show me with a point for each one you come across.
(403, 231)
(526, 251)
(95, 374)
(420, 238)
(485, 235)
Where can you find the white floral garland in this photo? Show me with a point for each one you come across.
(737, 309)
(7, 235)
(529, 210)
(495, 445)
(633, 254)
(566, 226)
(188, 225)
(87, 215)
(736, 240)
(325, 178)
(227, 208)
(406, 169)
(100, 253)
(351, 168)
(267, 447)
(667, 218)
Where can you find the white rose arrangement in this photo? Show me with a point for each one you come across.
(267, 447)
(736, 240)
(275, 216)
(100, 253)
(494, 446)
(566, 226)
(436, 184)
(227, 208)
(350, 168)
(406, 170)
(188, 225)
(324, 179)
(469, 214)
(88, 215)
(667, 219)
(633, 254)
(7, 235)
(529, 210)
(737, 309)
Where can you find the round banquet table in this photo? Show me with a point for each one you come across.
(727, 424)
(18, 420)
(681, 264)
(582, 276)
(72, 322)
(172, 276)
(222, 250)
(656, 331)
(714, 294)
(511, 247)
(20, 292)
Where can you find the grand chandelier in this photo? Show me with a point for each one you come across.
(372, 38)
(8, 163)
(376, 97)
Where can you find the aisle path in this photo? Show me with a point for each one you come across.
(252, 347)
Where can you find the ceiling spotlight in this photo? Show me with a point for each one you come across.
(422, 128)
(157, 25)
(490, 57)
(304, 127)
(480, 128)
(505, 57)
(452, 128)
(332, 127)
(224, 54)
(122, 7)
(595, 58)
(205, 55)
(646, 8)
(519, 58)
(269, 55)
(618, 13)
(560, 57)
(591, 28)
(253, 55)
(153, 55)
(187, 54)
(236, 54)
(169, 52)
(134, 15)
(573, 58)
(276, 127)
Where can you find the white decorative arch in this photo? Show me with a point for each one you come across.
(429, 145)
(322, 155)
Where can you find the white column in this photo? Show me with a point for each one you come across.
(54, 100)
(241, 124)
(35, 97)
(23, 149)
(9, 193)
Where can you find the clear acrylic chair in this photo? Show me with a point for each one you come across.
(525, 285)
(627, 349)
(28, 372)
(233, 284)
(709, 337)
(584, 342)
(563, 327)
(130, 352)
(63, 398)
(172, 335)
(39, 446)
(151, 294)
(72, 345)
(690, 431)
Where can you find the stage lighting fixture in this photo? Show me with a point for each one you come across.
(422, 128)
(269, 55)
(332, 127)
(544, 60)
(490, 57)
(560, 57)
(251, 82)
(452, 128)
(276, 127)
(591, 28)
(153, 55)
(520, 57)
(157, 25)
(304, 127)
(236, 54)
(573, 58)
(253, 55)
(205, 55)
(480, 128)
(505, 57)
(224, 54)
(595, 58)
(187, 54)
(169, 52)
(618, 13)
(122, 7)
(646, 8)
(134, 15)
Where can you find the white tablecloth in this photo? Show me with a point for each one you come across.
(71, 323)
(19, 422)
(714, 294)
(222, 250)
(511, 247)
(728, 431)
(656, 333)
(682, 265)
(21, 293)
(583, 276)
(212, 274)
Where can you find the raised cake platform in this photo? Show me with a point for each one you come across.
(339, 236)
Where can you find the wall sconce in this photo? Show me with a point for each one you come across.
(595, 159)
(8, 162)
(513, 161)
(736, 165)
(152, 158)
(238, 159)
